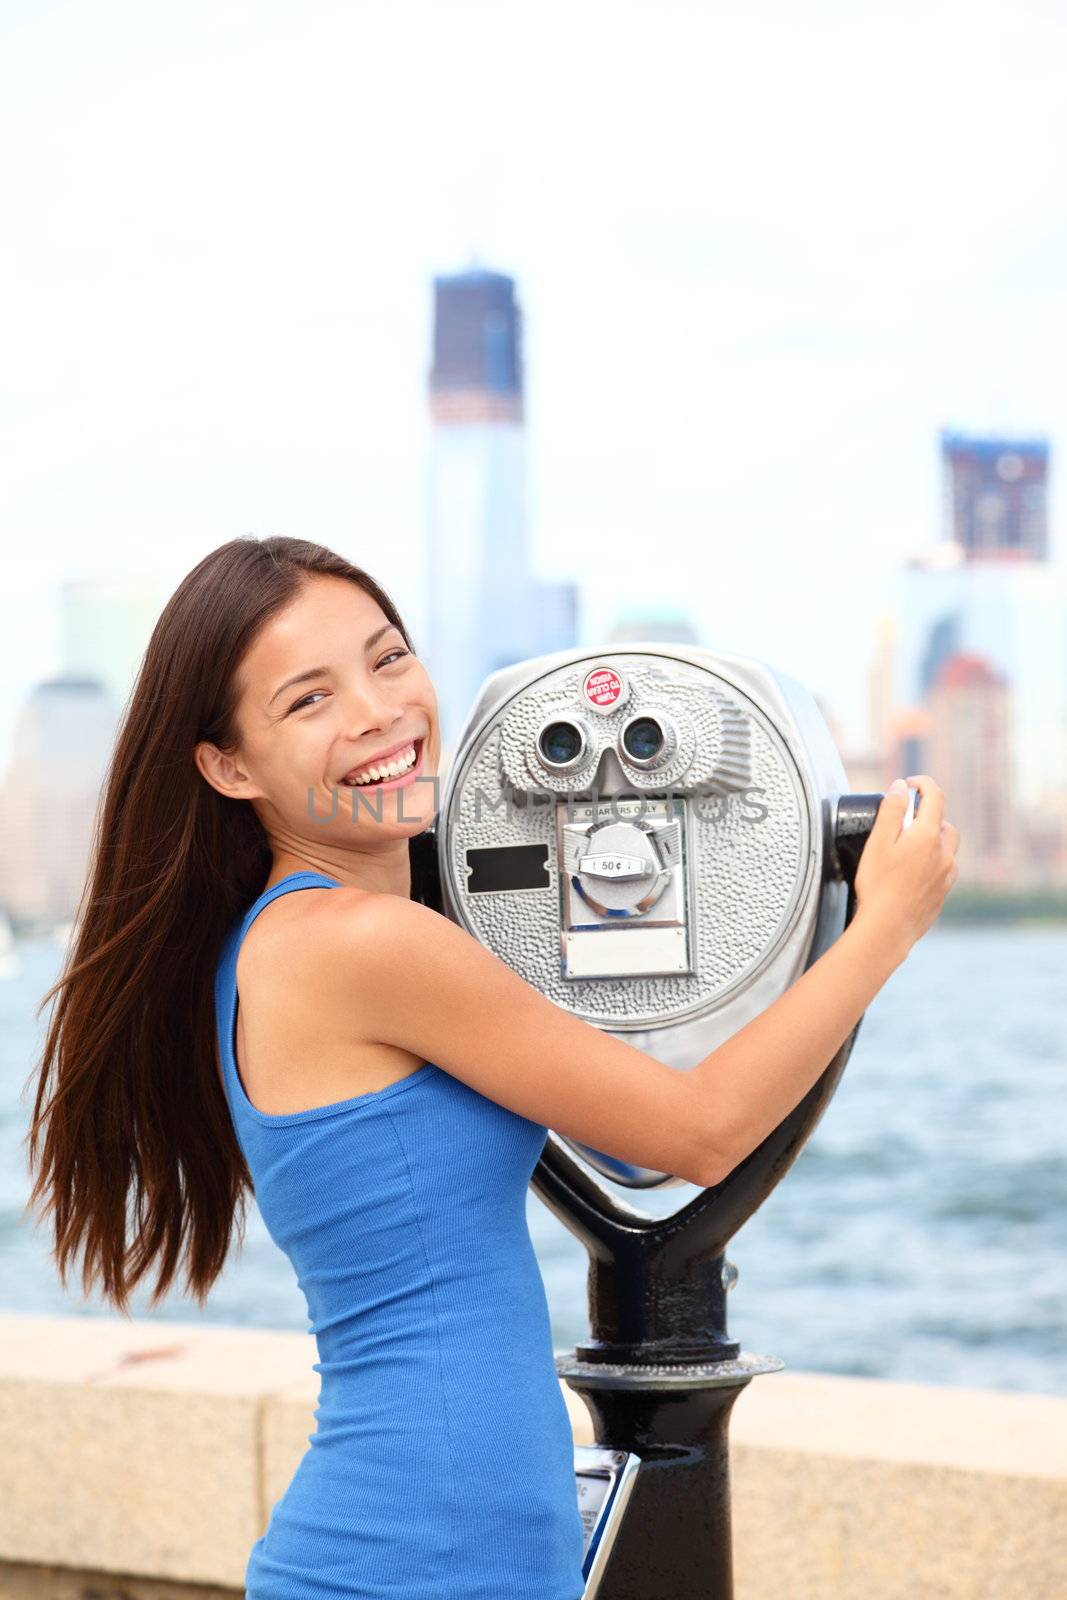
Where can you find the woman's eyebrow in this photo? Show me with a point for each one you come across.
(322, 672)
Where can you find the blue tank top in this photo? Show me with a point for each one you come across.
(441, 1466)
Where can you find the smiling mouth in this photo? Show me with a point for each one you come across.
(387, 777)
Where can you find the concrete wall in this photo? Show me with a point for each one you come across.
(140, 1460)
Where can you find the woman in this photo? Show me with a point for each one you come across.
(382, 1081)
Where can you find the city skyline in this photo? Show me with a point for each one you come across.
(968, 677)
(740, 347)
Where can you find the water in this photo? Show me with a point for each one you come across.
(921, 1235)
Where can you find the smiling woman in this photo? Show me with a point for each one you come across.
(217, 768)
(211, 1039)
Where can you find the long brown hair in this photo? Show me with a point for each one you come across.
(131, 1140)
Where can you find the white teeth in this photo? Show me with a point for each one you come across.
(388, 769)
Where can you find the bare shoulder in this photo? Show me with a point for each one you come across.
(323, 943)
(362, 940)
(291, 937)
(345, 918)
(378, 930)
(302, 1033)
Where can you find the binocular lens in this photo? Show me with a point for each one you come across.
(642, 738)
(561, 743)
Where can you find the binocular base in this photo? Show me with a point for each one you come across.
(661, 1531)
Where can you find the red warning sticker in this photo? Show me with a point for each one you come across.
(603, 688)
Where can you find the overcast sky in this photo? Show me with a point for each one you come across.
(764, 253)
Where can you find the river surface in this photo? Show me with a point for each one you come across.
(921, 1235)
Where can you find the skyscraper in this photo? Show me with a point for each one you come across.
(49, 797)
(995, 496)
(477, 349)
(1012, 616)
(968, 747)
(107, 622)
(486, 610)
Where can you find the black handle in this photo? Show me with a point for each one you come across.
(852, 826)
(849, 831)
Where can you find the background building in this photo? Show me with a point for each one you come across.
(968, 748)
(659, 625)
(105, 625)
(485, 607)
(969, 672)
(63, 740)
(996, 496)
(49, 795)
(1013, 616)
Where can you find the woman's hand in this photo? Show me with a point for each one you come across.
(904, 874)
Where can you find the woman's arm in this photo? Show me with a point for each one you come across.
(416, 980)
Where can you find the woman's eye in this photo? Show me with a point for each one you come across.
(298, 703)
(393, 655)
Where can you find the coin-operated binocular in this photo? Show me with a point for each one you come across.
(659, 839)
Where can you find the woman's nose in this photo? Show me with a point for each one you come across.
(369, 710)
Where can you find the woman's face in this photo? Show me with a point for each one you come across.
(361, 694)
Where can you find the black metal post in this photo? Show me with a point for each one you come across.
(659, 1372)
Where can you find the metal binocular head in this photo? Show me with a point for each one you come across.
(648, 836)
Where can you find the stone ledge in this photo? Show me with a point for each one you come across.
(897, 1491)
(139, 1460)
(23, 1582)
